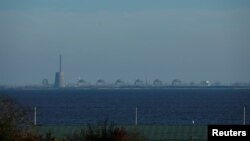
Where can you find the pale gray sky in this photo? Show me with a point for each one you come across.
(191, 40)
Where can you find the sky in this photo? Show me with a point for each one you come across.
(191, 40)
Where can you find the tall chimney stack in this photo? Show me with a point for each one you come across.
(59, 77)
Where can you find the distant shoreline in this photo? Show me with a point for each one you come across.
(125, 88)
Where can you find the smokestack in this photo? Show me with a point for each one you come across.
(59, 77)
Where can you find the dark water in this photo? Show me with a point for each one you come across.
(155, 106)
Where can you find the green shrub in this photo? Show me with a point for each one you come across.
(105, 132)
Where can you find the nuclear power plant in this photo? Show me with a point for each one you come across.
(138, 83)
(59, 77)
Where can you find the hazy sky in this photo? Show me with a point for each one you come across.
(192, 40)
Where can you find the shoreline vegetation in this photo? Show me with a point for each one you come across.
(16, 125)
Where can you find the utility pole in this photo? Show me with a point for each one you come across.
(244, 116)
(192, 136)
(136, 115)
(35, 116)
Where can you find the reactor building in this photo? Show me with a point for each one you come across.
(59, 77)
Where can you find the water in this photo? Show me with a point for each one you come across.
(155, 106)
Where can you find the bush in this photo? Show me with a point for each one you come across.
(14, 120)
(105, 132)
(16, 125)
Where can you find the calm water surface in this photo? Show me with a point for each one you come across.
(155, 106)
